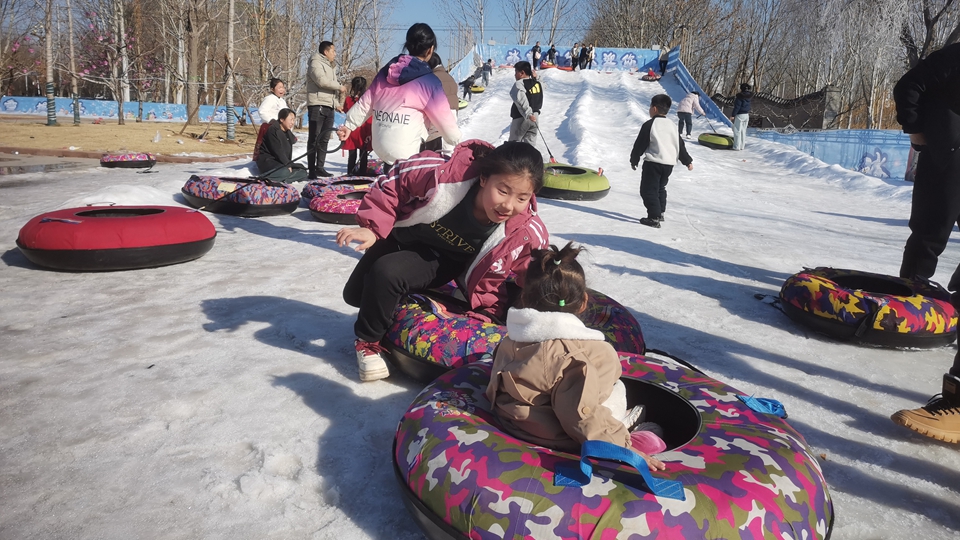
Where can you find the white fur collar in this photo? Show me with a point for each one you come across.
(532, 326)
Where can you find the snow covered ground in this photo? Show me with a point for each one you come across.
(219, 398)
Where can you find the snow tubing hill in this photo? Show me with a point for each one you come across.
(99, 239)
(572, 183)
(339, 202)
(127, 161)
(432, 333)
(870, 308)
(745, 475)
(244, 197)
(715, 141)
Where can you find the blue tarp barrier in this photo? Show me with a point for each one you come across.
(605, 59)
(874, 152)
(96, 108)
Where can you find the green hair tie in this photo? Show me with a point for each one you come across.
(562, 303)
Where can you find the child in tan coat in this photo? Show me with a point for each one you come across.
(553, 378)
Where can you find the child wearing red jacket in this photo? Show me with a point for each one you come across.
(470, 217)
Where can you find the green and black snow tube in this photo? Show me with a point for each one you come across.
(716, 141)
(573, 183)
(462, 105)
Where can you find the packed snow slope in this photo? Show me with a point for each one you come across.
(219, 398)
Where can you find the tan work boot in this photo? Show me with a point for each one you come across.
(939, 419)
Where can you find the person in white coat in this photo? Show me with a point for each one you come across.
(685, 110)
(274, 101)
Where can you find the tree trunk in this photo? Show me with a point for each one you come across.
(74, 85)
(193, 64)
(122, 51)
(48, 53)
(231, 129)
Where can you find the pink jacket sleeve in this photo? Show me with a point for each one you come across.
(393, 196)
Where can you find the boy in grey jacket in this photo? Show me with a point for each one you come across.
(527, 96)
(660, 145)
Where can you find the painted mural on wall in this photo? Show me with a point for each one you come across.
(604, 59)
(878, 153)
(95, 108)
(874, 163)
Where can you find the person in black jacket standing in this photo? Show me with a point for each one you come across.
(536, 56)
(741, 116)
(928, 108)
(277, 150)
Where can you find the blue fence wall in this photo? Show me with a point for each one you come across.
(874, 152)
(605, 59)
(95, 108)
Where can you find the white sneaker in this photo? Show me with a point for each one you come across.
(370, 362)
(633, 417)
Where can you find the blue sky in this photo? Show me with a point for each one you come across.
(409, 12)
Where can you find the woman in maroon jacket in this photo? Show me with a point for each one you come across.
(471, 217)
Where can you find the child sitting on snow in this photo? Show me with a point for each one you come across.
(660, 145)
(555, 382)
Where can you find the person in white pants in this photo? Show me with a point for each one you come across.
(741, 115)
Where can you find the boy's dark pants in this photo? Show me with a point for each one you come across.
(653, 187)
(386, 272)
(685, 118)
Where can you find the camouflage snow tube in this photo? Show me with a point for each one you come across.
(316, 188)
(128, 161)
(746, 475)
(432, 333)
(340, 201)
(244, 197)
(870, 308)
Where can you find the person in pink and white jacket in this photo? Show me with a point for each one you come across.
(471, 217)
(404, 97)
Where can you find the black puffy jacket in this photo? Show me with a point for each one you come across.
(928, 99)
(741, 104)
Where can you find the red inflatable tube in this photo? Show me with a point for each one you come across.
(92, 239)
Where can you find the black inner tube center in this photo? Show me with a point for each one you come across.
(120, 212)
(353, 182)
(566, 170)
(353, 195)
(876, 285)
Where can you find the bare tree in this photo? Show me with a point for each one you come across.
(930, 24)
(48, 54)
(522, 14)
(471, 12)
(559, 11)
(196, 21)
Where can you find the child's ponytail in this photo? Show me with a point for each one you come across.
(555, 280)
